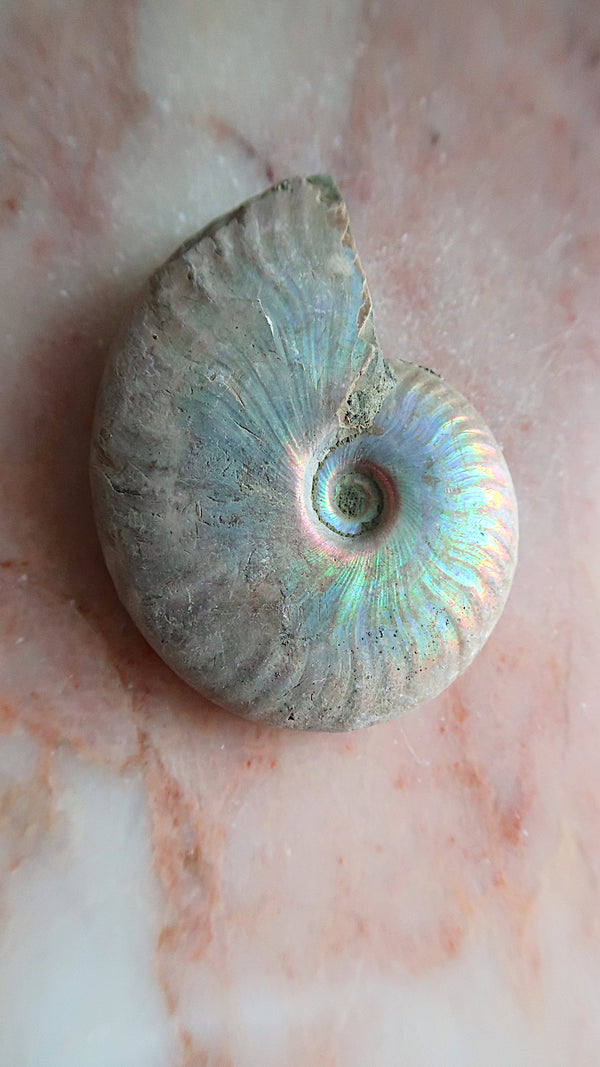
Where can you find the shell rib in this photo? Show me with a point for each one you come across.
(307, 535)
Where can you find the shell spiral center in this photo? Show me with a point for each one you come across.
(351, 495)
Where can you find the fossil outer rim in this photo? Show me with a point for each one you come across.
(249, 363)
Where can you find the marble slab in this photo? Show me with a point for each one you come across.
(185, 889)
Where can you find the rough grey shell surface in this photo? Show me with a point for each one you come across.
(307, 535)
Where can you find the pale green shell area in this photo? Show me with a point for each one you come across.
(307, 535)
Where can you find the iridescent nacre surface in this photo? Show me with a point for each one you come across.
(306, 533)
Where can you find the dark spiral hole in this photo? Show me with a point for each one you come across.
(354, 500)
(357, 496)
(350, 501)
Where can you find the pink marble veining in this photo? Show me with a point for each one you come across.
(182, 888)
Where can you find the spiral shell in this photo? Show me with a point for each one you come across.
(307, 535)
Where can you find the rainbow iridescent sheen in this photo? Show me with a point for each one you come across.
(308, 535)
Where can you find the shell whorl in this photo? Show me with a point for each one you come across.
(307, 535)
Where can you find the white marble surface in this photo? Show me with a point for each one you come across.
(181, 888)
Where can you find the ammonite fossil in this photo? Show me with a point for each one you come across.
(307, 534)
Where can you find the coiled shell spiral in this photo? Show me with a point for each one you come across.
(307, 534)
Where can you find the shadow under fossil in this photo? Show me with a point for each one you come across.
(50, 523)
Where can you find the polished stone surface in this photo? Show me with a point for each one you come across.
(180, 887)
